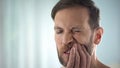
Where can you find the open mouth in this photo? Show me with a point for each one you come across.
(67, 51)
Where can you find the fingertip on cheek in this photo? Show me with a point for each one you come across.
(73, 49)
(75, 46)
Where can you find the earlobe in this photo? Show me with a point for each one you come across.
(98, 35)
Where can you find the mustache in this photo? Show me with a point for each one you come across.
(88, 46)
(68, 47)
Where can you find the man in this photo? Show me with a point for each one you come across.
(77, 33)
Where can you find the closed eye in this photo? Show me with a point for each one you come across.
(76, 30)
(58, 31)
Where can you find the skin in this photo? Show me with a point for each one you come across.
(76, 42)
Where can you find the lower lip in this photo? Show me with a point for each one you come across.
(66, 54)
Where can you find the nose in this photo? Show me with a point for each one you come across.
(67, 39)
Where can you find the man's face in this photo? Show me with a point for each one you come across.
(71, 27)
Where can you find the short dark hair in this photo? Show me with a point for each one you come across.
(89, 4)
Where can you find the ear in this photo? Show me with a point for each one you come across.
(98, 35)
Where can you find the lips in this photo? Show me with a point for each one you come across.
(67, 52)
(68, 48)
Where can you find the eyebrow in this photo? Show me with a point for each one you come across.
(57, 27)
(77, 27)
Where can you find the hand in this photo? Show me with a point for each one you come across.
(79, 57)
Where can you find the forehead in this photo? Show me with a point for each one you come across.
(74, 16)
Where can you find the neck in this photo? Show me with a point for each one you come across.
(93, 60)
(95, 63)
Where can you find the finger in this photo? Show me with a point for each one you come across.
(82, 57)
(71, 60)
(77, 58)
(87, 56)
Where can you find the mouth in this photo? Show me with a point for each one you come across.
(67, 51)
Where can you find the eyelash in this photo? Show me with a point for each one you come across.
(76, 31)
(59, 32)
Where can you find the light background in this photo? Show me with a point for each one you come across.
(27, 35)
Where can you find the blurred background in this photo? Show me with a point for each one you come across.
(27, 35)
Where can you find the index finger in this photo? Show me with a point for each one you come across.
(71, 60)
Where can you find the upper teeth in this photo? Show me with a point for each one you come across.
(68, 51)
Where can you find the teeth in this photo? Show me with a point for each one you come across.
(68, 51)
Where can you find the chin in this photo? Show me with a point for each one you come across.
(63, 60)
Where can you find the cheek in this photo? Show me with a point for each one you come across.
(58, 42)
(82, 39)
